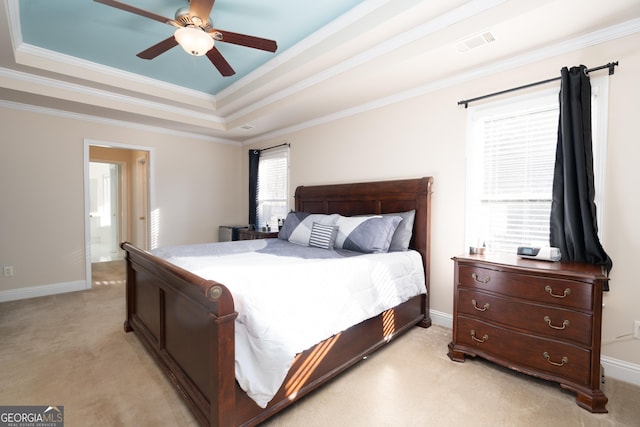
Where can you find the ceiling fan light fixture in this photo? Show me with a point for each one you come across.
(194, 40)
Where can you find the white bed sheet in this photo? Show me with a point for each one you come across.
(286, 304)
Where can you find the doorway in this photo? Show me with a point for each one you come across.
(105, 211)
(118, 184)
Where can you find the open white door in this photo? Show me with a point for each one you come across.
(141, 203)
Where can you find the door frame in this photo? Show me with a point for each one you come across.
(150, 192)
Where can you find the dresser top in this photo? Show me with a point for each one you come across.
(501, 261)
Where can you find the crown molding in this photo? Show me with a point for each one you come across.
(112, 122)
(613, 32)
(31, 56)
(39, 84)
(334, 27)
(445, 20)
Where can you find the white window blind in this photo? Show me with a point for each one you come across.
(518, 157)
(273, 187)
(510, 163)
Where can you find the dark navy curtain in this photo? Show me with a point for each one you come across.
(254, 160)
(574, 229)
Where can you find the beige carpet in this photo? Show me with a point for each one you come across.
(71, 350)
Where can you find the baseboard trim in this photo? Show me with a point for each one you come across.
(613, 368)
(41, 291)
(620, 370)
(441, 318)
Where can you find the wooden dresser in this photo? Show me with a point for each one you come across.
(540, 318)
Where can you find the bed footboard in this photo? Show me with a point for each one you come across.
(187, 324)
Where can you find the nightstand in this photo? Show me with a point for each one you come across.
(536, 317)
(256, 234)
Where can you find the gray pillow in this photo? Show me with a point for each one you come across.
(402, 237)
(367, 234)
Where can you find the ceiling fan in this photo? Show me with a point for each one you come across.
(195, 33)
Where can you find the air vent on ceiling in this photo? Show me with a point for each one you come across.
(475, 41)
(246, 127)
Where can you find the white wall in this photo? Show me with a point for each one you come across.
(42, 205)
(426, 136)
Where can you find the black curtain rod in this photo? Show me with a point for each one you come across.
(275, 146)
(466, 102)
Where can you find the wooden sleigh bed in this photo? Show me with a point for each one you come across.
(187, 323)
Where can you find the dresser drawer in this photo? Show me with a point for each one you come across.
(537, 319)
(526, 352)
(547, 290)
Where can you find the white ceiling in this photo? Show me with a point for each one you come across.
(375, 53)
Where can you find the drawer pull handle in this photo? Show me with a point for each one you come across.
(485, 280)
(550, 292)
(473, 336)
(565, 323)
(483, 308)
(564, 361)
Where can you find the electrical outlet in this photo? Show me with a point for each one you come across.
(636, 329)
(7, 270)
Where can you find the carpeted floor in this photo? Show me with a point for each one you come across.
(71, 350)
(108, 273)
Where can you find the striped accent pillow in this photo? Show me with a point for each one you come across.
(323, 236)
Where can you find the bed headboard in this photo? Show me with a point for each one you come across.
(375, 198)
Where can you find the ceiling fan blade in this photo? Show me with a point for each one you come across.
(158, 48)
(201, 9)
(144, 13)
(245, 40)
(220, 63)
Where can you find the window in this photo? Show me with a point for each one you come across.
(273, 187)
(510, 161)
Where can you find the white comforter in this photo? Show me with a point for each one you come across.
(287, 304)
